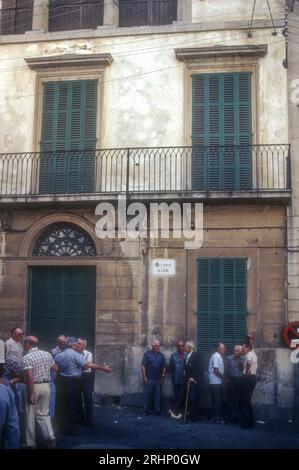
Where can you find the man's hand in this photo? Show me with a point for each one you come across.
(145, 380)
(107, 369)
(162, 379)
(191, 380)
(32, 399)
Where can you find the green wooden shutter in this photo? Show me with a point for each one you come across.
(221, 131)
(62, 301)
(68, 136)
(222, 302)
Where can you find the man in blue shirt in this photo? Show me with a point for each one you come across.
(70, 364)
(176, 368)
(153, 371)
(9, 419)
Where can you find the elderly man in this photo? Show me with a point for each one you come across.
(192, 378)
(87, 383)
(153, 370)
(37, 365)
(235, 366)
(249, 382)
(14, 348)
(9, 420)
(60, 345)
(216, 380)
(70, 366)
(176, 368)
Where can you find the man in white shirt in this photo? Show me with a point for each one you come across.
(249, 382)
(216, 380)
(87, 380)
(14, 348)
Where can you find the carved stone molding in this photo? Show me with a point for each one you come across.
(67, 60)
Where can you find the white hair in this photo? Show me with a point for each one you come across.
(190, 343)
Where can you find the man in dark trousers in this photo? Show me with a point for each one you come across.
(176, 368)
(70, 365)
(153, 370)
(192, 377)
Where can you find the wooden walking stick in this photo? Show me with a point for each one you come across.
(186, 402)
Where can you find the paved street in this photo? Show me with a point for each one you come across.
(120, 427)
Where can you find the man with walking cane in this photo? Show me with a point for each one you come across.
(192, 378)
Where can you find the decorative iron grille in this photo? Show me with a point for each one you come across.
(64, 240)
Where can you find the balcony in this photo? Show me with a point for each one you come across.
(251, 171)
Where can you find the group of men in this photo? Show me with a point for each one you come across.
(37, 386)
(234, 376)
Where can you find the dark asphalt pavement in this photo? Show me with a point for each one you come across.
(125, 428)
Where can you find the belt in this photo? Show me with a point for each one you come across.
(43, 382)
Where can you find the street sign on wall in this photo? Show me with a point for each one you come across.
(162, 267)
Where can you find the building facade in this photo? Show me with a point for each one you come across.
(293, 268)
(154, 101)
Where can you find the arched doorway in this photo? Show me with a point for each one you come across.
(62, 298)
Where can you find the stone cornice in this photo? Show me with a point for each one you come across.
(198, 53)
(69, 60)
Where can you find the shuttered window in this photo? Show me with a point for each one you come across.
(68, 136)
(79, 14)
(221, 302)
(62, 301)
(221, 132)
(16, 16)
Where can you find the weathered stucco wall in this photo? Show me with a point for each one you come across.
(213, 10)
(132, 307)
(143, 101)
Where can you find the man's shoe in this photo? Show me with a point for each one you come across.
(174, 416)
(51, 443)
(144, 413)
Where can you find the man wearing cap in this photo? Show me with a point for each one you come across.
(37, 365)
(70, 367)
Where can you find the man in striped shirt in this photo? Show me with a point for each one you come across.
(37, 365)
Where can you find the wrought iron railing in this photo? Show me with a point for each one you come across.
(248, 168)
(147, 12)
(81, 14)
